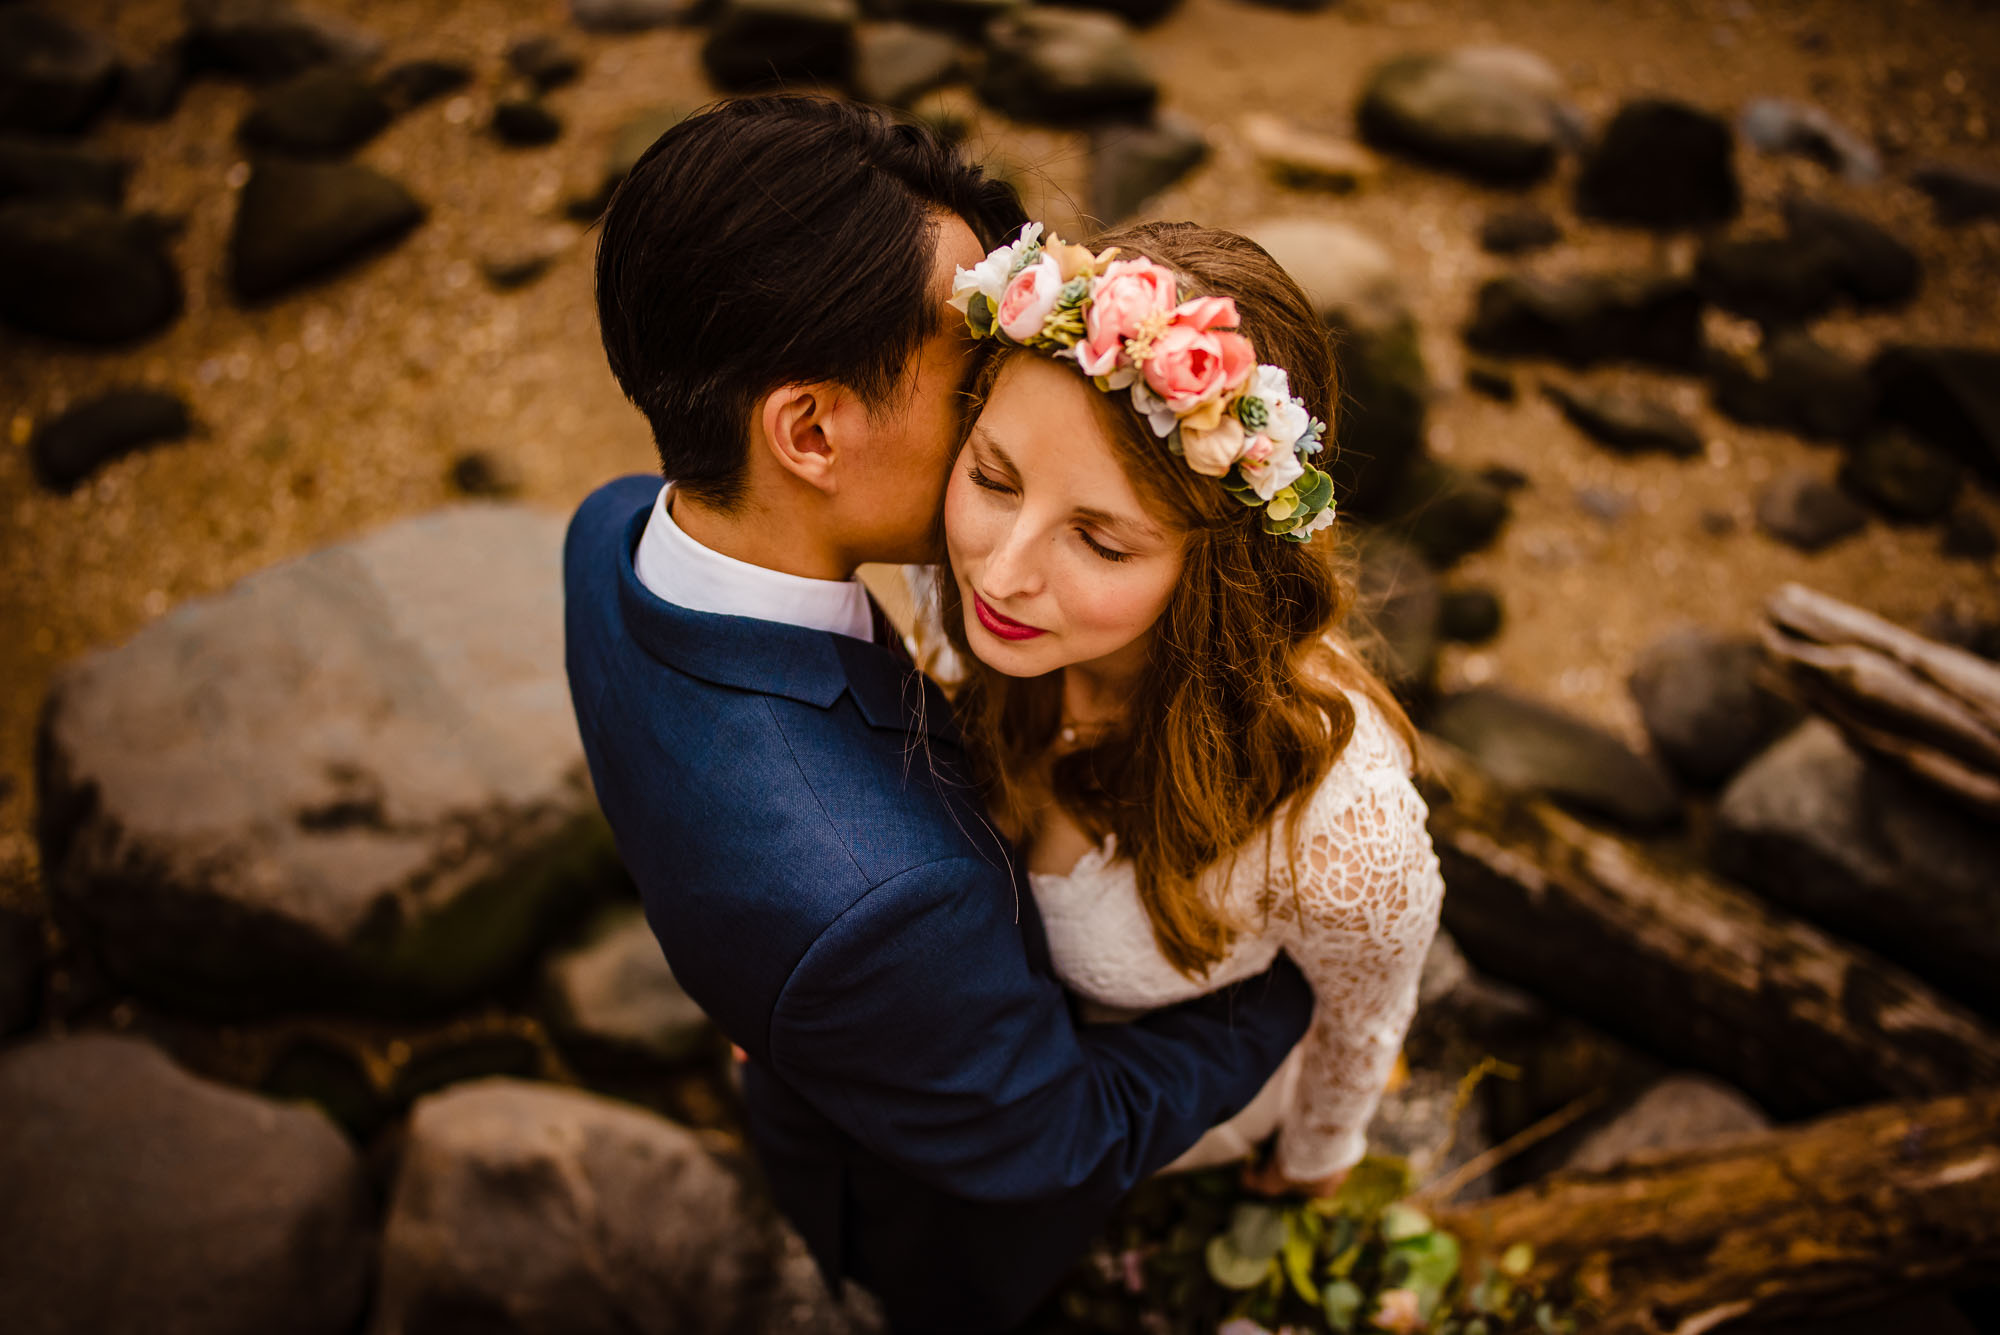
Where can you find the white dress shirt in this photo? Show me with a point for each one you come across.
(683, 572)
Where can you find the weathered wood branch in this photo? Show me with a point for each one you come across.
(1840, 1213)
(1685, 964)
(1810, 615)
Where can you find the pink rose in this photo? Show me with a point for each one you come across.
(1029, 298)
(1188, 367)
(1213, 453)
(1129, 291)
(1206, 313)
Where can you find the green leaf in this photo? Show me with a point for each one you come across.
(1432, 1262)
(1257, 1231)
(979, 315)
(1401, 1221)
(1231, 1268)
(1517, 1259)
(1340, 1300)
(1298, 1255)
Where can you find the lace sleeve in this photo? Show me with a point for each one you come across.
(1368, 894)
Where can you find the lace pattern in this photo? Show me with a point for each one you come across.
(1356, 905)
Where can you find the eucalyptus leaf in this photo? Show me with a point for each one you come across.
(1231, 1268)
(1257, 1231)
(1340, 1300)
(1401, 1221)
(1433, 1261)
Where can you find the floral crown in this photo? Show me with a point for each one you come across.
(1191, 375)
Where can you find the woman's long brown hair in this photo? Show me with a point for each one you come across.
(1240, 706)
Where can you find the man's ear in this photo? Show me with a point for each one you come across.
(801, 426)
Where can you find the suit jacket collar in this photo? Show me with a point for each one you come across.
(814, 667)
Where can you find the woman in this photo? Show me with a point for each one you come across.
(1165, 719)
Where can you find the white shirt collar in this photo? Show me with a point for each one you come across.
(683, 572)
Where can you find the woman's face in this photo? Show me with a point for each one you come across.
(1058, 561)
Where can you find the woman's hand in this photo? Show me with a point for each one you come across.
(1265, 1179)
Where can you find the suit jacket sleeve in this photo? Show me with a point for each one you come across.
(903, 1025)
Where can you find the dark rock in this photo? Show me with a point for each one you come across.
(1129, 164)
(56, 169)
(1057, 65)
(151, 89)
(323, 113)
(1660, 163)
(546, 62)
(630, 15)
(1805, 387)
(1504, 476)
(266, 40)
(1682, 1112)
(1628, 423)
(1773, 279)
(1396, 624)
(613, 1003)
(1779, 125)
(896, 62)
(1800, 508)
(69, 448)
(1470, 616)
(966, 18)
(1531, 746)
(1446, 512)
(762, 43)
(82, 272)
(1867, 264)
(1959, 194)
(1868, 852)
(634, 137)
(1587, 318)
(1901, 476)
(486, 473)
(1517, 230)
(315, 1069)
(1717, 523)
(1385, 389)
(1489, 113)
(1949, 396)
(420, 838)
(1139, 13)
(1703, 704)
(54, 76)
(1967, 536)
(414, 82)
(525, 123)
(21, 951)
(141, 1197)
(299, 221)
(511, 269)
(659, 1236)
(1492, 381)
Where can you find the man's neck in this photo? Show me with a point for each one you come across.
(752, 534)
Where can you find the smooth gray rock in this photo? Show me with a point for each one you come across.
(1948, 395)
(54, 75)
(1528, 745)
(1772, 279)
(352, 779)
(611, 997)
(1591, 317)
(36, 168)
(1903, 478)
(1703, 705)
(1661, 163)
(1870, 266)
(1781, 125)
(298, 222)
(265, 40)
(531, 1207)
(1488, 112)
(894, 63)
(141, 1197)
(762, 43)
(1803, 386)
(1129, 164)
(1801, 508)
(68, 448)
(1385, 386)
(81, 272)
(1959, 193)
(1682, 1112)
(1063, 65)
(1867, 852)
(326, 112)
(1629, 423)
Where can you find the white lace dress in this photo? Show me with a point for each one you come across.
(1355, 905)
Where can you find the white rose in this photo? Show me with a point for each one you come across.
(990, 275)
(1273, 475)
(1211, 453)
(1324, 519)
(1286, 421)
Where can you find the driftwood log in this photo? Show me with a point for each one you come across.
(1930, 708)
(1684, 964)
(1851, 1210)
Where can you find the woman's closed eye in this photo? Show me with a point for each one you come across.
(980, 478)
(1108, 553)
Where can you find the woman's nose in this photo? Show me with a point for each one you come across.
(1012, 567)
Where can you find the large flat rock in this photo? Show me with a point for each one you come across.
(352, 779)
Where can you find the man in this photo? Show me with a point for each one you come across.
(785, 787)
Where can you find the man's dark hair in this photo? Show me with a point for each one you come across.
(768, 241)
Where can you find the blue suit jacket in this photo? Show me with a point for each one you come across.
(791, 804)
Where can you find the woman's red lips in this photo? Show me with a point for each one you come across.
(1005, 627)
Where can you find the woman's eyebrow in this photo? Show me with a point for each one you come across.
(1106, 519)
(984, 438)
